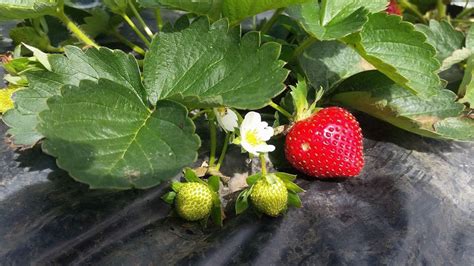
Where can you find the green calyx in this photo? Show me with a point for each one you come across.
(196, 199)
(270, 194)
(303, 109)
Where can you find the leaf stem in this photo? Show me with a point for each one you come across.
(303, 46)
(414, 9)
(213, 137)
(441, 9)
(269, 24)
(159, 19)
(223, 152)
(280, 109)
(74, 28)
(140, 19)
(198, 114)
(263, 162)
(128, 43)
(135, 29)
(465, 12)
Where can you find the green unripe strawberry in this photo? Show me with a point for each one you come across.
(270, 196)
(193, 201)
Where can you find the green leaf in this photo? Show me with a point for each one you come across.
(443, 37)
(213, 182)
(396, 49)
(169, 197)
(29, 102)
(294, 200)
(70, 70)
(234, 10)
(458, 128)
(458, 56)
(40, 56)
(207, 66)
(97, 23)
(253, 179)
(211, 8)
(29, 36)
(373, 93)
(470, 39)
(466, 89)
(334, 19)
(237, 10)
(242, 203)
(117, 6)
(327, 63)
(104, 135)
(24, 9)
(447, 41)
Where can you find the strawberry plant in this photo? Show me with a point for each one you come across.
(121, 113)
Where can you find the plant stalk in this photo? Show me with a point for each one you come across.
(414, 9)
(128, 43)
(442, 9)
(159, 19)
(198, 114)
(140, 19)
(302, 47)
(75, 29)
(281, 110)
(269, 24)
(263, 162)
(136, 30)
(223, 152)
(464, 13)
(213, 138)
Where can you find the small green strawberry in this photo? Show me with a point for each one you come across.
(196, 200)
(270, 194)
(193, 201)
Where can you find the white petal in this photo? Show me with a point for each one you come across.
(251, 121)
(265, 134)
(264, 148)
(248, 147)
(229, 121)
(263, 125)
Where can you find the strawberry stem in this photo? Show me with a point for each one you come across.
(281, 110)
(263, 163)
(302, 47)
(135, 29)
(125, 41)
(223, 152)
(140, 19)
(213, 136)
(74, 28)
(269, 24)
(406, 4)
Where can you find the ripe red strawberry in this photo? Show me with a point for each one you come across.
(327, 144)
(393, 8)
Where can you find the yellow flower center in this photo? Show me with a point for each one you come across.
(222, 111)
(251, 138)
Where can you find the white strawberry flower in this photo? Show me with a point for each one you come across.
(226, 118)
(254, 133)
